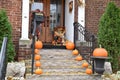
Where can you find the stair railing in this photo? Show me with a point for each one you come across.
(33, 43)
(90, 40)
(3, 61)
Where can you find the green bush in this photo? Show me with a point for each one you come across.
(109, 33)
(6, 31)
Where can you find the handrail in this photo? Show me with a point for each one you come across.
(3, 63)
(89, 37)
(33, 44)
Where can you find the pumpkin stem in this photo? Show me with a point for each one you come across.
(100, 46)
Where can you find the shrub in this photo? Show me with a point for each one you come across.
(109, 33)
(6, 31)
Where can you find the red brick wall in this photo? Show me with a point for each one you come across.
(13, 8)
(94, 10)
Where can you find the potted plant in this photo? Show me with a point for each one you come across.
(99, 57)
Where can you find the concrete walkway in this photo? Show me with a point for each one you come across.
(59, 64)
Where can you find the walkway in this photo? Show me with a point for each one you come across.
(60, 64)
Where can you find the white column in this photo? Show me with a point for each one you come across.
(81, 19)
(25, 20)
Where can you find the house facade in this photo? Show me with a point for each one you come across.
(57, 13)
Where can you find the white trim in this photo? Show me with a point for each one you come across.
(25, 20)
(81, 19)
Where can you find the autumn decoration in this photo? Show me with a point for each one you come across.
(85, 65)
(37, 57)
(78, 58)
(37, 63)
(75, 52)
(38, 71)
(70, 45)
(100, 52)
(88, 71)
(38, 44)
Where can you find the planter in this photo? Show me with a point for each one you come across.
(98, 64)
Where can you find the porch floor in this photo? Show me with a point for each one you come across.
(59, 64)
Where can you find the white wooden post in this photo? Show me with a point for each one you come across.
(81, 19)
(25, 20)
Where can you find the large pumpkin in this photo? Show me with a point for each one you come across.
(100, 52)
(70, 45)
(75, 52)
(38, 45)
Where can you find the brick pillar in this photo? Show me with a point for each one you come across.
(24, 50)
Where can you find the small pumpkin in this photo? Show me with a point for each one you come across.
(78, 58)
(38, 44)
(85, 64)
(37, 57)
(36, 51)
(38, 71)
(37, 63)
(75, 52)
(70, 45)
(88, 71)
(100, 52)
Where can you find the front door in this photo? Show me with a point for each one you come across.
(53, 11)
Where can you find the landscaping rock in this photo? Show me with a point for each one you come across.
(15, 69)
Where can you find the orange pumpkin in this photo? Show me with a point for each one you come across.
(37, 57)
(36, 51)
(85, 64)
(38, 45)
(70, 45)
(37, 63)
(38, 71)
(100, 52)
(88, 71)
(75, 52)
(78, 58)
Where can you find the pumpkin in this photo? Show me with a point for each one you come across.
(36, 51)
(37, 57)
(70, 45)
(38, 71)
(37, 63)
(85, 64)
(75, 52)
(100, 52)
(88, 71)
(38, 45)
(78, 58)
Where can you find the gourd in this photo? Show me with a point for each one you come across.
(85, 64)
(75, 52)
(70, 45)
(37, 57)
(88, 71)
(37, 63)
(38, 71)
(38, 45)
(78, 58)
(36, 51)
